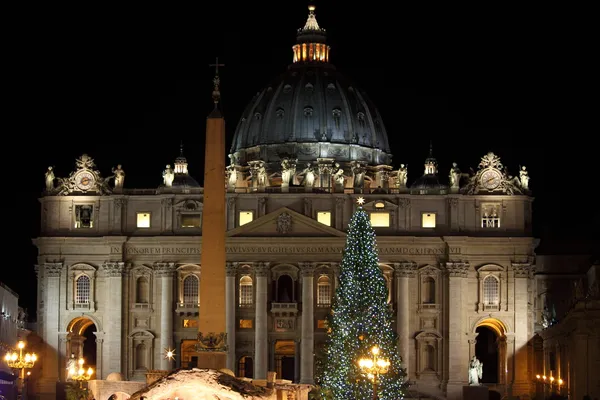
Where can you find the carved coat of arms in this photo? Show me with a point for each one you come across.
(284, 223)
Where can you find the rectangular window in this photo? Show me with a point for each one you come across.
(380, 219)
(324, 217)
(190, 220)
(190, 323)
(490, 217)
(245, 324)
(143, 220)
(428, 220)
(246, 217)
(84, 216)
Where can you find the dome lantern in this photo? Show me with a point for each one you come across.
(311, 41)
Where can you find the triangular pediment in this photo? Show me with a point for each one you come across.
(285, 222)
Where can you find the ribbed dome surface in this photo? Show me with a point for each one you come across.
(311, 111)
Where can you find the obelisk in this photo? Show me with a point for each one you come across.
(212, 337)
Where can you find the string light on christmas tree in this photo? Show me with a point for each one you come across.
(360, 321)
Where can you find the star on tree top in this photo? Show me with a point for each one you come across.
(360, 201)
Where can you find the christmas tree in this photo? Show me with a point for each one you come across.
(360, 320)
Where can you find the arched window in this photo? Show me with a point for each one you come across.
(82, 290)
(245, 291)
(190, 290)
(428, 290)
(491, 291)
(142, 290)
(323, 291)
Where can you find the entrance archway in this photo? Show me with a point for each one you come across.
(81, 341)
(490, 349)
(486, 350)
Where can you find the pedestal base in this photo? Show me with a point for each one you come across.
(475, 393)
(212, 360)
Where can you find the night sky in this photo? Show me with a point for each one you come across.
(126, 86)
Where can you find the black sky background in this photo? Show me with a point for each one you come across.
(128, 85)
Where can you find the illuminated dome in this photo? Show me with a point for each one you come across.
(311, 112)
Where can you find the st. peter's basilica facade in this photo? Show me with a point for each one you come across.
(122, 265)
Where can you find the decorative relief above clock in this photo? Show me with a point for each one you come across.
(492, 177)
(85, 179)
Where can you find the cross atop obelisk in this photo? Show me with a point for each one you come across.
(216, 81)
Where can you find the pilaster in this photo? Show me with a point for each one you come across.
(307, 271)
(403, 273)
(261, 272)
(457, 360)
(522, 273)
(113, 326)
(165, 272)
(230, 270)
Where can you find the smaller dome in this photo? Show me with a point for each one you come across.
(115, 377)
(185, 181)
(182, 178)
(429, 182)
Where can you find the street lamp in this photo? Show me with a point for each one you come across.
(20, 362)
(80, 374)
(374, 367)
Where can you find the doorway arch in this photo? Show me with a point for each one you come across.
(81, 342)
(490, 348)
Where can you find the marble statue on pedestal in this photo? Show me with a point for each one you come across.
(288, 170)
(262, 176)
(475, 371)
(50, 179)
(119, 176)
(309, 175)
(524, 178)
(402, 176)
(338, 177)
(455, 175)
(168, 176)
(231, 173)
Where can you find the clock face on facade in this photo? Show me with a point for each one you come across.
(491, 179)
(84, 180)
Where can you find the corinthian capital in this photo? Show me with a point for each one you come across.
(231, 268)
(53, 270)
(405, 269)
(306, 269)
(164, 269)
(457, 269)
(261, 269)
(523, 270)
(113, 269)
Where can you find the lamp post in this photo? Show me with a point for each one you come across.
(20, 362)
(80, 374)
(374, 367)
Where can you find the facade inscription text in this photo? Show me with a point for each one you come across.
(160, 250)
